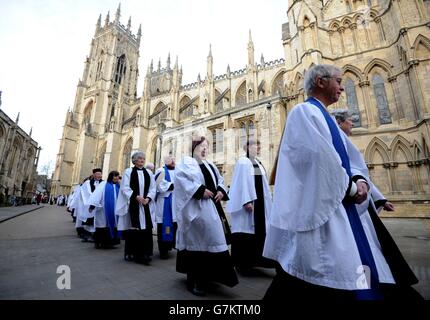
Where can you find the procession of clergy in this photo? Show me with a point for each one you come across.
(321, 230)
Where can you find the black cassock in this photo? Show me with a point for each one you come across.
(246, 248)
(138, 242)
(202, 266)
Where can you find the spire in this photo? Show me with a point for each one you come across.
(168, 62)
(198, 78)
(210, 63)
(118, 13)
(139, 33)
(210, 51)
(159, 64)
(180, 70)
(228, 70)
(250, 50)
(99, 22)
(107, 19)
(262, 60)
(31, 131)
(176, 64)
(151, 66)
(129, 23)
(17, 119)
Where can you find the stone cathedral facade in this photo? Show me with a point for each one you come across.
(382, 46)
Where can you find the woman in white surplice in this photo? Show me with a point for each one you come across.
(135, 215)
(250, 204)
(203, 231)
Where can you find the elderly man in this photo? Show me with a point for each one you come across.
(343, 119)
(325, 243)
(165, 217)
(134, 212)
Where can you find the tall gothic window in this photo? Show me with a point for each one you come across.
(217, 139)
(351, 98)
(126, 154)
(241, 95)
(381, 99)
(246, 132)
(120, 69)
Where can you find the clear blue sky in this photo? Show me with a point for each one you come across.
(43, 45)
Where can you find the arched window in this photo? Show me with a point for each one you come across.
(278, 84)
(381, 99)
(185, 108)
(352, 102)
(126, 154)
(246, 131)
(159, 114)
(241, 95)
(120, 69)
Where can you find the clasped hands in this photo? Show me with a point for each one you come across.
(209, 194)
(362, 190)
(142, 200)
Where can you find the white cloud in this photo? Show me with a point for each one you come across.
(44, 44)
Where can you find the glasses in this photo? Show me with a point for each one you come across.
(338, 80)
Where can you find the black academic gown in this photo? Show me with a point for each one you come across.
(246, 248)
(138, 242)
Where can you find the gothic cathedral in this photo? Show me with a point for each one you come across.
(383, 47)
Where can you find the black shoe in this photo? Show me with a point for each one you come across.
(196, 290)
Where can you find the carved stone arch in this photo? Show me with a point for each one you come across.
(346, 22)
(184, 99)
(353, 70)
(240, 94)
(87, 111)
(306, 21)
(277, 83)
(160, 106)
(418, 152)
(373, 13)
(384, 65)
(334, 25)
(421, 47)
(376, 145)
(298, 82)
(400, 143)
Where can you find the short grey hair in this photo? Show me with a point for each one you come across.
(341, 114)
(318, 71)
(137, 154)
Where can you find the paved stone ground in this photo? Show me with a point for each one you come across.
(34, 244)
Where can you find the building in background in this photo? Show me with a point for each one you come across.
(382, 46)
(19, 156)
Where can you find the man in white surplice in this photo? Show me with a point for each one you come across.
(135, 214)
(87, 216)
(310, 234)
(165, 217)
(249, 206)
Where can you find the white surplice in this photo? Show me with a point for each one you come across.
(242, 191)
(125, 192)
(309, 233)
(199, 225)
(163, 192)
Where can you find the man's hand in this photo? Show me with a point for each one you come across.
(145, 201)
(219, 196)
(362, 189)
(208, 194)
(388, 206)
(249, 207)
(140, 199)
